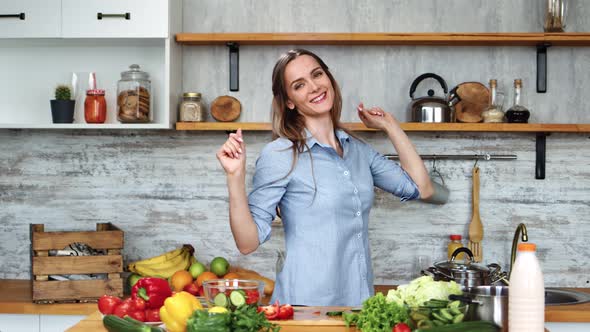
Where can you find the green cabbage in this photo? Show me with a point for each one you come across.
(421, 290)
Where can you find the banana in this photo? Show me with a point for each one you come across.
(166, 269)
(166, 256)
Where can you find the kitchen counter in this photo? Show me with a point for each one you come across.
(15, 298)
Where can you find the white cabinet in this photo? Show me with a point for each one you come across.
(32, 67)
(30, 19)
(115, 19)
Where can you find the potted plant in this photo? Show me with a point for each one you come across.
(62, 107)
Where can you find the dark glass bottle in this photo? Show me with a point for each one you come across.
(518, 113)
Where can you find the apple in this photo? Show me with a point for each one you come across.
(191, 288)
(196, 269)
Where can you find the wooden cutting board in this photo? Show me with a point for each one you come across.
(226, 108)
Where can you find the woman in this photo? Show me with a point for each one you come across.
(322, 180)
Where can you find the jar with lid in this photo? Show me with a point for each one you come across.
(453, 245)
(95, 106)
(191, 108)
(134, 96)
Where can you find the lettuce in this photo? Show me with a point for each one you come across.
(421, 290)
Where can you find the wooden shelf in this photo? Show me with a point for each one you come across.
(414, 127)
(438, 39)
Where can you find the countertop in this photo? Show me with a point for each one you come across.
(15, 298)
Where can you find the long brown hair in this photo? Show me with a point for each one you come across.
(289, 123)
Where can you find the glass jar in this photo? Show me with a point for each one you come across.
(95, 106)
(134, 96)
(191, 108)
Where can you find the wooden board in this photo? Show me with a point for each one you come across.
(79, 289)
(77, 264)
(226, 108)
(96, 240)
(406, 126)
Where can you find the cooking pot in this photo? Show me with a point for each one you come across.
(429, 108)
(466, 273)
(486, 303)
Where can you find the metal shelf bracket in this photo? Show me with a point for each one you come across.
(542, 67)
(234, 66)
(540, 160)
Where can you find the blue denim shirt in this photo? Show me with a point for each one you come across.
(325, 213)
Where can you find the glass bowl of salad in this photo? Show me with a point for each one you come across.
(232, 293)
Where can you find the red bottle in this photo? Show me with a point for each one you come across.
(95, 106)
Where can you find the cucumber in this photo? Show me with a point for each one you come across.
(115, 324)
(455, 311)
(446, 314)
(237, 298)
(458, 318)
(220, 300)
(473, 326)
(442, 318)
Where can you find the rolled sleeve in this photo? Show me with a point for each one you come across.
(390, 177)
(269, 185)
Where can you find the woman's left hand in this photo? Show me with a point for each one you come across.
(376, 117)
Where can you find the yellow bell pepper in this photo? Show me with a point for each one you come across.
(177, 309)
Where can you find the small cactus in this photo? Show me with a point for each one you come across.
(63, 92)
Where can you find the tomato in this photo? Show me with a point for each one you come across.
(107, 304)
(286, 312)
(123, 309)
(252, 296)
(152, 315)
(138, 315)
(138, 304)
(401, 327)
(270, 311)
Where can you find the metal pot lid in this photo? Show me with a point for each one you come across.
(430, 102)
(465, 266)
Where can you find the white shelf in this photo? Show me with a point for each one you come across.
(85, 126)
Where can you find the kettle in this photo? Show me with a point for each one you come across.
(429, 108)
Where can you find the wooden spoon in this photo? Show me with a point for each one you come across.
(476, 227)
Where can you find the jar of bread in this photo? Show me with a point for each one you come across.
(134, 96)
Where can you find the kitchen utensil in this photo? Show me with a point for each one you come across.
(469, 100)
(429, 108)
(466, 273)
(476, 227)
(486, 303)
(226, 108)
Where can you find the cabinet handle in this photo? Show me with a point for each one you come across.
(20, 16)
(126, 16)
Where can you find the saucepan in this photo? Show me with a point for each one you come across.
(486, 303)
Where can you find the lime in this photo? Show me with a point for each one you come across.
(219, 266)
(196, 269)
(237, 298)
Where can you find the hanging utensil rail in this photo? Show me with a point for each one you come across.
(460, 157)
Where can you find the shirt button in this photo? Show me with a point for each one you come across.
(346, 173)
(362, 257)
(358, 213)
(359, 235)
(356, 191)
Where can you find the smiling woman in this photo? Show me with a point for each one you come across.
(321, 178)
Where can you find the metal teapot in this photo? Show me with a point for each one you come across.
(429, 108)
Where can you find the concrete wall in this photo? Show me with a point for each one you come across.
(165, 188)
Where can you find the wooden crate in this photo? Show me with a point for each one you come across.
(107, 237)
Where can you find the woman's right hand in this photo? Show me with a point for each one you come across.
(232, 154)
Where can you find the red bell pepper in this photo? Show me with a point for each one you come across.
(153, 290)
(252, 296)
(107, 304)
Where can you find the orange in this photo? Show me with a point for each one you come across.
(180, 279)
(231, 275)
(207, 275)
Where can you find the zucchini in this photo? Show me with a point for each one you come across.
(473, 326)
(115, 324)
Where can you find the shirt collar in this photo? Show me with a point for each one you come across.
(311, 141)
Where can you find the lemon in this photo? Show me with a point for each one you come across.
(217, 310)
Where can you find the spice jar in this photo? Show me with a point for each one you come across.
(191, 108)
(95, 106)
(134, 96)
